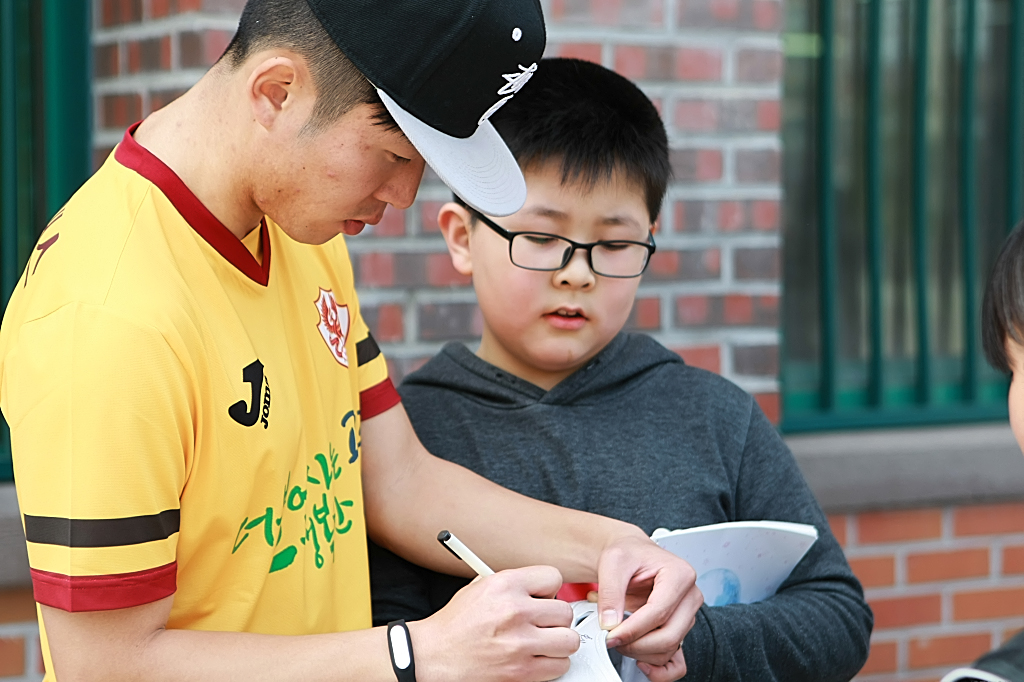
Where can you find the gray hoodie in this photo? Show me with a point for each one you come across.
(638, 435)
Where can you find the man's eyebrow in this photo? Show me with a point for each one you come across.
(626, 220)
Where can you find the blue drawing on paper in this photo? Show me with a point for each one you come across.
(720, 587)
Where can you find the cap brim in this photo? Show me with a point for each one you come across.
(479, 169)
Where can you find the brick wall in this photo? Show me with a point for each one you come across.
(712, 66)
(945, 584)
(20, 658)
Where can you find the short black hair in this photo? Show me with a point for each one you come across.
(593, 121)
(1002, 310)
(291, 24)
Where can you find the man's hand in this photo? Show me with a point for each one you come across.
(500, 628)
(660, 589)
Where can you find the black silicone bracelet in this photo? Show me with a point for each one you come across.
(400, 649)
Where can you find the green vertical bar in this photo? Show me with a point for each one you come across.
(919, 201)
(66, 65)
(8, 183)
(826, 209)
(968, 228)
(873, 187)
(1015, 88)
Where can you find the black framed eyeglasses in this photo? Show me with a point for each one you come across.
(546, 252)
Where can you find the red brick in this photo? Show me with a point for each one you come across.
(1013, 560)
(450, 321)
(770, 405)
(758, 66)
(704, 357)
(953, 565)
(201, 49)
(767, 15)
(441, 273)
(608, 12)
(898, 526)
(881, 658)
(428, 215)
(590, 52)
(764, 215)
(12, 657)
(99, 156)
(631, 61)
(698, 64)
(664, 263)
(392, 224)
(377, 269)
(692, 310)
(987, 604)
(731, 216)
(116, 12)
(949, 651)
(757, 361)
(709, 165)
(757, 165)
(159, 8)
(696, 165)
(698, 115)
(106, 60)
(739, 309)
(757, 264)
(17, 606)
(390, 323)
(646, 314)
(989, 519)
(769, 115)
(879, 571)
(837, 522)
(899, 612)
(151, 54)
(161, 98)
(120, 111)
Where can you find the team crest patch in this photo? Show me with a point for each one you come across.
(334, 323)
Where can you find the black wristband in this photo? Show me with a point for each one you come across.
(400, 649)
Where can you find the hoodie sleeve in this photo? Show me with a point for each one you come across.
(816, 627)
(399, 589)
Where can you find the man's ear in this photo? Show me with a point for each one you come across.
(274, 87)
(455, 223)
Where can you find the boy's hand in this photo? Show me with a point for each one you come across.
(660, 589)
(503, 627)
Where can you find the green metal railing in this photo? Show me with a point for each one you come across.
(921, 386)
(45, 130)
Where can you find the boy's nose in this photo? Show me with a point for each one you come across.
(577, 272)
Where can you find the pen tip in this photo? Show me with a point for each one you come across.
(443, 536)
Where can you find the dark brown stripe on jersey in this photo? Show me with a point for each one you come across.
(366, 350)
(133, 530)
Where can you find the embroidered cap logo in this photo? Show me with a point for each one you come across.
(514, 82)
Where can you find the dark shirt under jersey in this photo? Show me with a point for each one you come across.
(640, 436)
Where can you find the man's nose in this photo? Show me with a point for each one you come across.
(400, 188)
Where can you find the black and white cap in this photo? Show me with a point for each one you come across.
(442, 67)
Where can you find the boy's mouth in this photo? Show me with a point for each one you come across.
(566, 318)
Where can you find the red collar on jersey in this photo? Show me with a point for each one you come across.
(131, 154)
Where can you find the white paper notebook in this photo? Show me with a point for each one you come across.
(736, 563)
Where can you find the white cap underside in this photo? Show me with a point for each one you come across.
(480, 169)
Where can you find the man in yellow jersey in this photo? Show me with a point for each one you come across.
(203, 429)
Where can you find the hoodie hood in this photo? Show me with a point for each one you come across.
(624, 360)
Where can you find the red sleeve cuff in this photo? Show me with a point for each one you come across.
(378, 399)
(104, 592)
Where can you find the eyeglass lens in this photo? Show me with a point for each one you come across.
(546, 252)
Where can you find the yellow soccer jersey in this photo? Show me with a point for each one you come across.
(185, 412)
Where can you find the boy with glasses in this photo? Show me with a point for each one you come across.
(561, 405)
